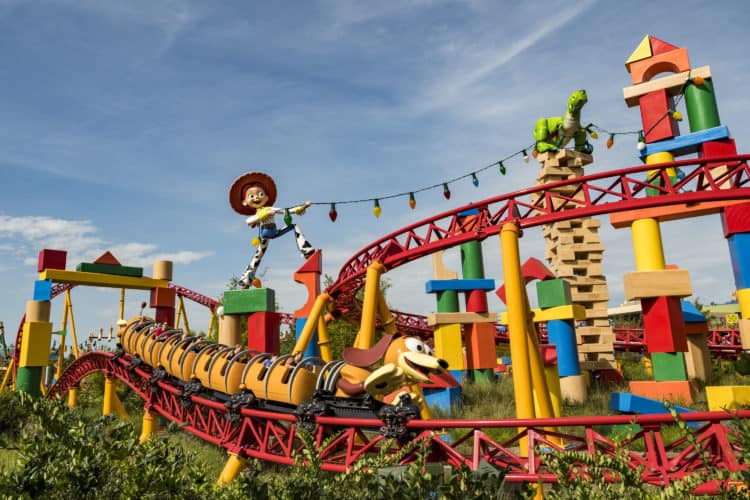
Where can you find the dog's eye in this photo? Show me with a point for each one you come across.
(415, 345)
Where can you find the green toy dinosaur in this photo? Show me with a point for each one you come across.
(555, 132)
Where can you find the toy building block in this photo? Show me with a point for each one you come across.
(42, 290)
(476, 301)
(698, 357)
(739, 256)
(35, 346)
(439, 270)
(687, 143)
(743, 299)
(744, 327)
(572, 311)
(263, 331)
(690, 313)
(448, 345)
(162, 270)
(103, 280)
(249, 301)
(673, 84)
(696, 328)
(661, 283)
(480, 346)
(38, 310)
(433, 286)
(717, 149)
(552, 293)
(230, 329)
(676, 391)
(700, 104)
(309, 276)
(574, 388)
(673, 61)
(461, 317)
(548, 354)
(727, 397)
(668, 366)
(736, 219)
(89, 267)
(107, 258)
(51, 259)
(657, 121)
(530, 270)
(164, 315)
(660, 46)
(663, 325)
(562, 334)
(642, 51)
(313, 349)
(162, 297)
(624, 402)
(680, 211)
(444, 399)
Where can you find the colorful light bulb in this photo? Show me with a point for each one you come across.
(474, 180)
(412, 201)
(376, 210)
(502, 168)
(611, 141)
(446, 191)
(332, 213)
(525, 156)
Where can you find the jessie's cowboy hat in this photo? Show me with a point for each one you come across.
(245, 182)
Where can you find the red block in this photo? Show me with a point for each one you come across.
(107, 258)
(663, 325)
(263, 331)
(51, 259)
(479, 339)
(717, 149)
(164, 315)
(549, 354)
(476, 301)
(658, 124)
(659, 47)
(163, 297)
(736, 219)
(530, 270)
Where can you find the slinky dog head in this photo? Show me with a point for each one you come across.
(410, 354)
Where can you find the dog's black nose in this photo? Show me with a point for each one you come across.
(443, 364)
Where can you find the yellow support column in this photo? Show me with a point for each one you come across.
(324, 342)
(232, 469)
(109, 406)
(517, 321)
(73, 397)
(647, 247)
(121, 315)
(317, 311)
(369, 306)
(150, 425)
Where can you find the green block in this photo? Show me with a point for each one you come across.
(553, 293)
(447, 301)
(90, 267)
(28, 380)
(658, 182)
(472, 264)
(668, 366)
(249, 301)
(483, 376)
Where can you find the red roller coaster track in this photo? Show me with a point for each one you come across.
(274, 437)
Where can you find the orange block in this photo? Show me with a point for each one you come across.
(674, 391)
(673, 61)
(309, 276)
(479, 339)
(162, 297)
(669, 213)
(107, 258)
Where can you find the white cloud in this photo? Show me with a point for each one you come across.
(29, 234)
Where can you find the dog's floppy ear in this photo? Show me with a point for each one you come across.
(367, 357)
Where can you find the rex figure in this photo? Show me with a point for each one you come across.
(555, 132)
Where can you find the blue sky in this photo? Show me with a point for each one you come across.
(125, 123)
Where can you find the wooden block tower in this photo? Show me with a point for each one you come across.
(575, 252)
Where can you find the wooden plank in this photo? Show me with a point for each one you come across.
(672, 84)
(103, 280)
(461, 317)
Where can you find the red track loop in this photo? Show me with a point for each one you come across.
(596, 194)
(274, 437)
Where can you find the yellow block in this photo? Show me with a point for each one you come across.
(570, 311)
(745, 333)
(643, 51)
(663, 283)
(99, 279)
(460, 317)
(448, 345)
(743, 299)
(35, 345)
(727, 396)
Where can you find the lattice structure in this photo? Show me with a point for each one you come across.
(575, 251)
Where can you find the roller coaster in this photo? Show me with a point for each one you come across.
(180, 378)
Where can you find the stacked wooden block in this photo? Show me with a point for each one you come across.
(575, 252)
(263, 322)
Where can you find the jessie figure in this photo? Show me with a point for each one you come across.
(254, 194)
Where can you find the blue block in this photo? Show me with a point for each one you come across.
(434, 286)
(506, 360)
(312, 349)
(688, 143)
(562, 334)
(625, 402)
(444, 399)
(691, 314)
(458, 375)
(739, 255)
(467, 213)
(42, 290)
